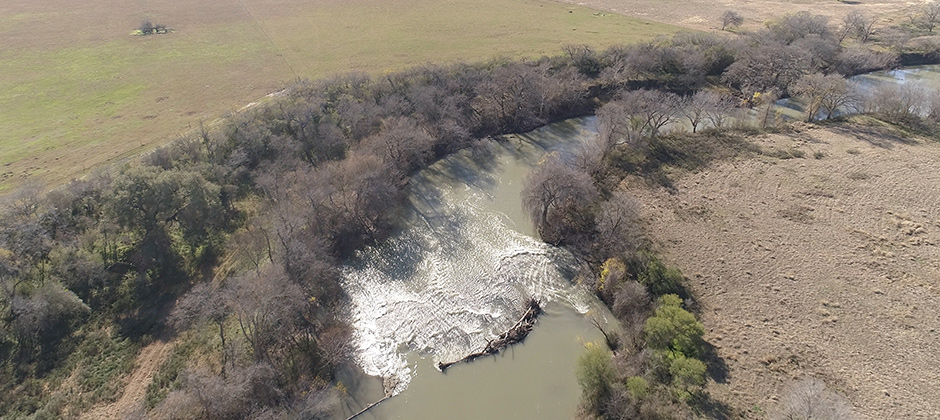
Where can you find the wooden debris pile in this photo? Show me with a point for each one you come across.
(516, 334)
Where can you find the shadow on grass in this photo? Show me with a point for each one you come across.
(704, 406)
(656, 158)
(879, 133)
(717, 368)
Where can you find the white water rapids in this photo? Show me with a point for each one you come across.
(462, 270)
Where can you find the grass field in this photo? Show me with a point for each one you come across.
(706, 14)
(78, 90)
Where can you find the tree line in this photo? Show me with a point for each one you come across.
(657, 367)
(237, 231)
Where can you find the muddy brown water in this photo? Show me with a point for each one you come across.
(457, 276)
(460, 273)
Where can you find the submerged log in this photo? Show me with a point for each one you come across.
(369, 407)
(516, 334)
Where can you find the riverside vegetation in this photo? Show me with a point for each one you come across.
(229, 241)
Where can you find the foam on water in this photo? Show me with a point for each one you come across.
(444, 288)
(462, 271)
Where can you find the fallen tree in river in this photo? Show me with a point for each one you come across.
(516, 334)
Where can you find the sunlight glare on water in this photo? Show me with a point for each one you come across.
(462, 270)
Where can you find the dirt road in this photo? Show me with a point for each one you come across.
(148, 361)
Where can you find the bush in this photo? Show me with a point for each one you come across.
(673, 329)
(638, 387)
(613, 271)
(659, 279)
(810, 399)
(148, 28)
(595, 375)
(688, 375)
(731, 19)
(101, 361)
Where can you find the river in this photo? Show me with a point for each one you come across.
(928, 75)
(460, 273)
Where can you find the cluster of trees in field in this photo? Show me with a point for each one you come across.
(235, 233)
(149, 28)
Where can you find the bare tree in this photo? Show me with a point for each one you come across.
(865, 28)
(266, 305)
(930, 15)
(933, 107)
(637, 114)
(402, 143)
(616, 220)
(858, 60)
(695, 108)
(204, 304)
(344, 202)
(857, 25)
(23, 202)
(731, 19)
(848, 25)
(818, 91)
(802, 24)
(768, 65)
(842, 94)
(720, 108)
(334, 341)
(631, 305)
(895, 37)
(589, 156)
(44, 315)
(809, 399)
(767, 114)
(520, 96)
(245, 393)
(584, 58)
(618, 124)
(554, 194)
(899, 103)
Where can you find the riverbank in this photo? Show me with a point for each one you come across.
(821, 266)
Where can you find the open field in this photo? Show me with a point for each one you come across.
(826, 267)
(705, 14)
(78, 90)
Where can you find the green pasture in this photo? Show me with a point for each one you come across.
(78, 89)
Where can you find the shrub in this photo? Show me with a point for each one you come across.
(673, 329)
(688, 375)
(659, 279)
(595, 375)
(731, 19)
(612, 274)
(810, 399)
(638, 387)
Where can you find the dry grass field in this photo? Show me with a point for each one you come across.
(78, 90)
(705, 14)
(825, 267)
